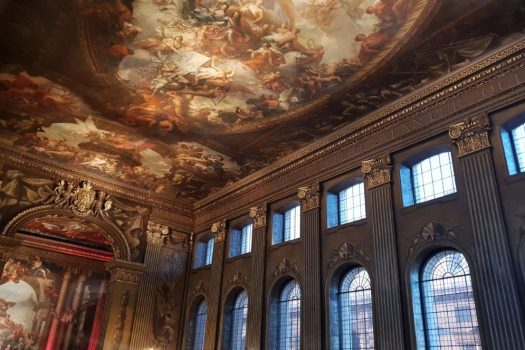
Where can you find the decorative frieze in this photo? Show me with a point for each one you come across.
(258, 215)
(471, 135)
(284, 267)
(377, 171)
(219, 231)
(346, 252)
(309, 196)
(127, 272)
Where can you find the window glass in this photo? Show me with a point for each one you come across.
(292, 223)
(289, 335)
(246, 239)
(518, 138)
(209, 252)
(433, 177)
(200, 326)
(239, 318)
(352, 203)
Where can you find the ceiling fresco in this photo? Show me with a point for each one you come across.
(181, 98)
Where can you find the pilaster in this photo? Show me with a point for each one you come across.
(387, 298)
(120, 307)
(212, 325)
(309, 197)
(256, 293)
(500, 305)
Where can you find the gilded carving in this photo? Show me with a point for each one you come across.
(471, 135)
(309, 196)
(377, 171)
(431, 232)
(258, 215)
(123, 274)
(348, 251)
(219, 231)
(237, 279)
(157, 233)
(284, 267)
(82, 199)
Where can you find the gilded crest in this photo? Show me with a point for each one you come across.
(83, 199)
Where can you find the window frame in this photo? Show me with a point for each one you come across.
(277, 217)
(237, 237)
(280, 303)
(229, 317)
(333, 203)
(508, 145)
(406, 177)
(201, 258)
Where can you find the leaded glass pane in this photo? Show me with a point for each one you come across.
(352, 203)
(246, 239)
(239, 318)
(289, 335)
(209, 252)
(200, 326)
(292, 223)
(518, 137)
(433, 177)
(448, 303)
(356, 314)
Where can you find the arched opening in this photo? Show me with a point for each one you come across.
(235, 319)
(54, 280)
(285, 322)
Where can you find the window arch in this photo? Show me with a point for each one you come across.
(198, 331)
(241, 240)
(236, 329)
(203, 253)
(514, 148)
(354, 297)
(446, 303)
(428, 179)
(346, 205)
(289, 312)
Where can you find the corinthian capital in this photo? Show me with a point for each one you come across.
(219, 230)
(471, 135)
(377, 171)
(309, 196)
(258, 215)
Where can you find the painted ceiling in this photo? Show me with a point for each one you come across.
(184, 97)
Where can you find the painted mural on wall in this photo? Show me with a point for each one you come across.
(184, 97)
(40, 300)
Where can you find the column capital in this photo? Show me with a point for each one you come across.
(377, 171)
(157, 233)
(310, 197)
(219, 230)
(258, 215)
(471, 135)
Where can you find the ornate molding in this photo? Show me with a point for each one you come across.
(310, 197)
(377, 171)
(238, 279)
(431, 232)
(471, 135)
(199, 289)
(258, 215)
(286, 266)
(125, 272)
(346, 252)
(219, 230)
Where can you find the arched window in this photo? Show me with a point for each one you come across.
(514, 147)
(239, 315)
(286, 226)
(241, 240)
(203, 253)
(289, 332)
(431, 178)
(346, 205)
(355, 311)
(447, 303)
(199, 330)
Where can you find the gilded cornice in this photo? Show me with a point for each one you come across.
(115, 188)
(309, 196)
(377, 171)
(472, 75)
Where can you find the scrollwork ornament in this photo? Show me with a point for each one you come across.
(431, 232)
(377, 171)
(309, 196)
(471, 135)
(219, 231)
(258, 215)
(346, 252)
(286, 266)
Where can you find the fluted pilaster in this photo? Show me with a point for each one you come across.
(500, 304)
(388, 316)
(256, 295)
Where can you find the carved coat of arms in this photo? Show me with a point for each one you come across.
(83, 199)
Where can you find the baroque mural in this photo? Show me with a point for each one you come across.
(181, 98)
